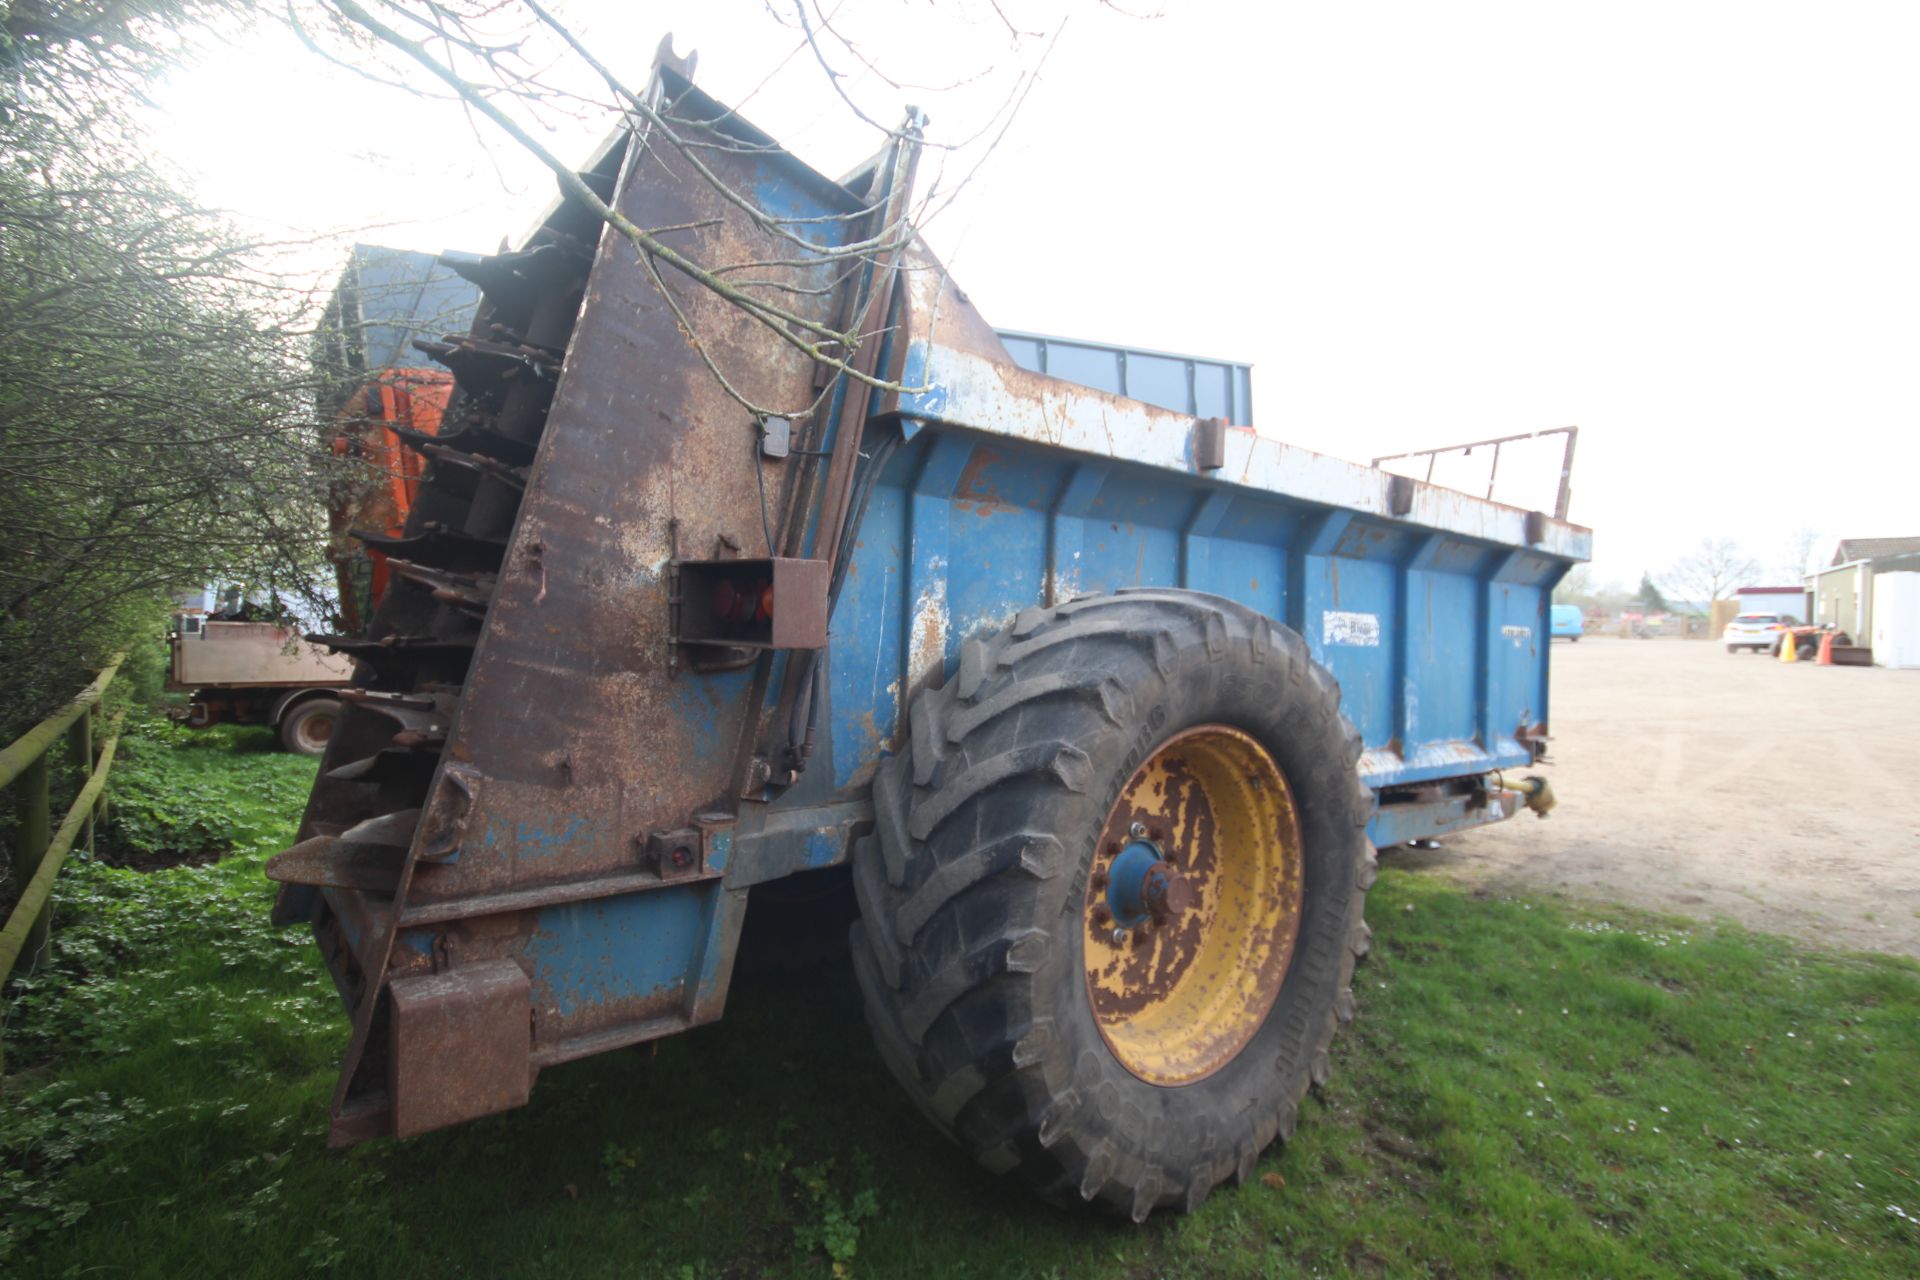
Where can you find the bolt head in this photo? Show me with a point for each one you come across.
(1139, 831)
(1118, 938)
(1099, 880)
(1101, 914)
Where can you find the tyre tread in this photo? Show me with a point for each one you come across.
(950, 1012)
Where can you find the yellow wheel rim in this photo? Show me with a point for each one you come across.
(1193, 905)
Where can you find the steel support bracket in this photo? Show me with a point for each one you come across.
(749, 604)
(462, 1044)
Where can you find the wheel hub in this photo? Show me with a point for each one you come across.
(1143, 886)
(1193, 905)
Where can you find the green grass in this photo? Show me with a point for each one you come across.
(1532, 1089)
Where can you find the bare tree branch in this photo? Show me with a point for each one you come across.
(829, 347)
(1711, 571)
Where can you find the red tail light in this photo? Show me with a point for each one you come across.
(740, 602)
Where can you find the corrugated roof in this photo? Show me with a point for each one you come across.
(1852, 549)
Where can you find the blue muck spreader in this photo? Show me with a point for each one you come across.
(748, 550)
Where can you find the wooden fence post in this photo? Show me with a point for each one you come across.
(100, 805)
(38, 851)
(80, 742)
(30, 841)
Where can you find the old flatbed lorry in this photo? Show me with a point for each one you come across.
(1102, 707)
(255, 673)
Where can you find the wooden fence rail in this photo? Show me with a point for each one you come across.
(37, 853)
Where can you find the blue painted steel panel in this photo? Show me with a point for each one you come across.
(1129, 535)
(868, 633)
(1440, 614)
(1434, 637)
(639, 946)
(699, 704)
(1354, 634)
(1203, 387)
(1000, 526)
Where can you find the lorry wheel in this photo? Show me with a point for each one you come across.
(1113, 897)
(305, 728)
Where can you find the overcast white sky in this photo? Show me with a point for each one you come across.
(1693, 229)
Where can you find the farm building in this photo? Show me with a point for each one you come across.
(1844, 592)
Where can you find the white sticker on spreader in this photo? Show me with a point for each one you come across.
(1519, 635)
(1361, 629)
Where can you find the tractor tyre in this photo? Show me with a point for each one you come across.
(307, 726)
(1113, 897)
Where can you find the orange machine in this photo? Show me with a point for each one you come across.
(377, 500)
(381, 389)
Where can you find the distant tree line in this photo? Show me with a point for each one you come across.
(1714, 570)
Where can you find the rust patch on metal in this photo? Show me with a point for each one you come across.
(1164, 797)
(476, 1016)
(1176, 997)
(974, 491)
(927, 633)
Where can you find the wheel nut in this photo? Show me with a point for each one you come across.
(1139, 831)
(1101, 915)
(1119, 938)
(1099, 879)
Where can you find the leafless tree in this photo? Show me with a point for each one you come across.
(1799, 552)
(83, 60)
(156, 406)
(514, 63)
(1576, 587)
(1710, 572)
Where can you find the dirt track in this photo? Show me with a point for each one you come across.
(1708, 784)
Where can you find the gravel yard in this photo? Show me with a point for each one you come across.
(1714, 784)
